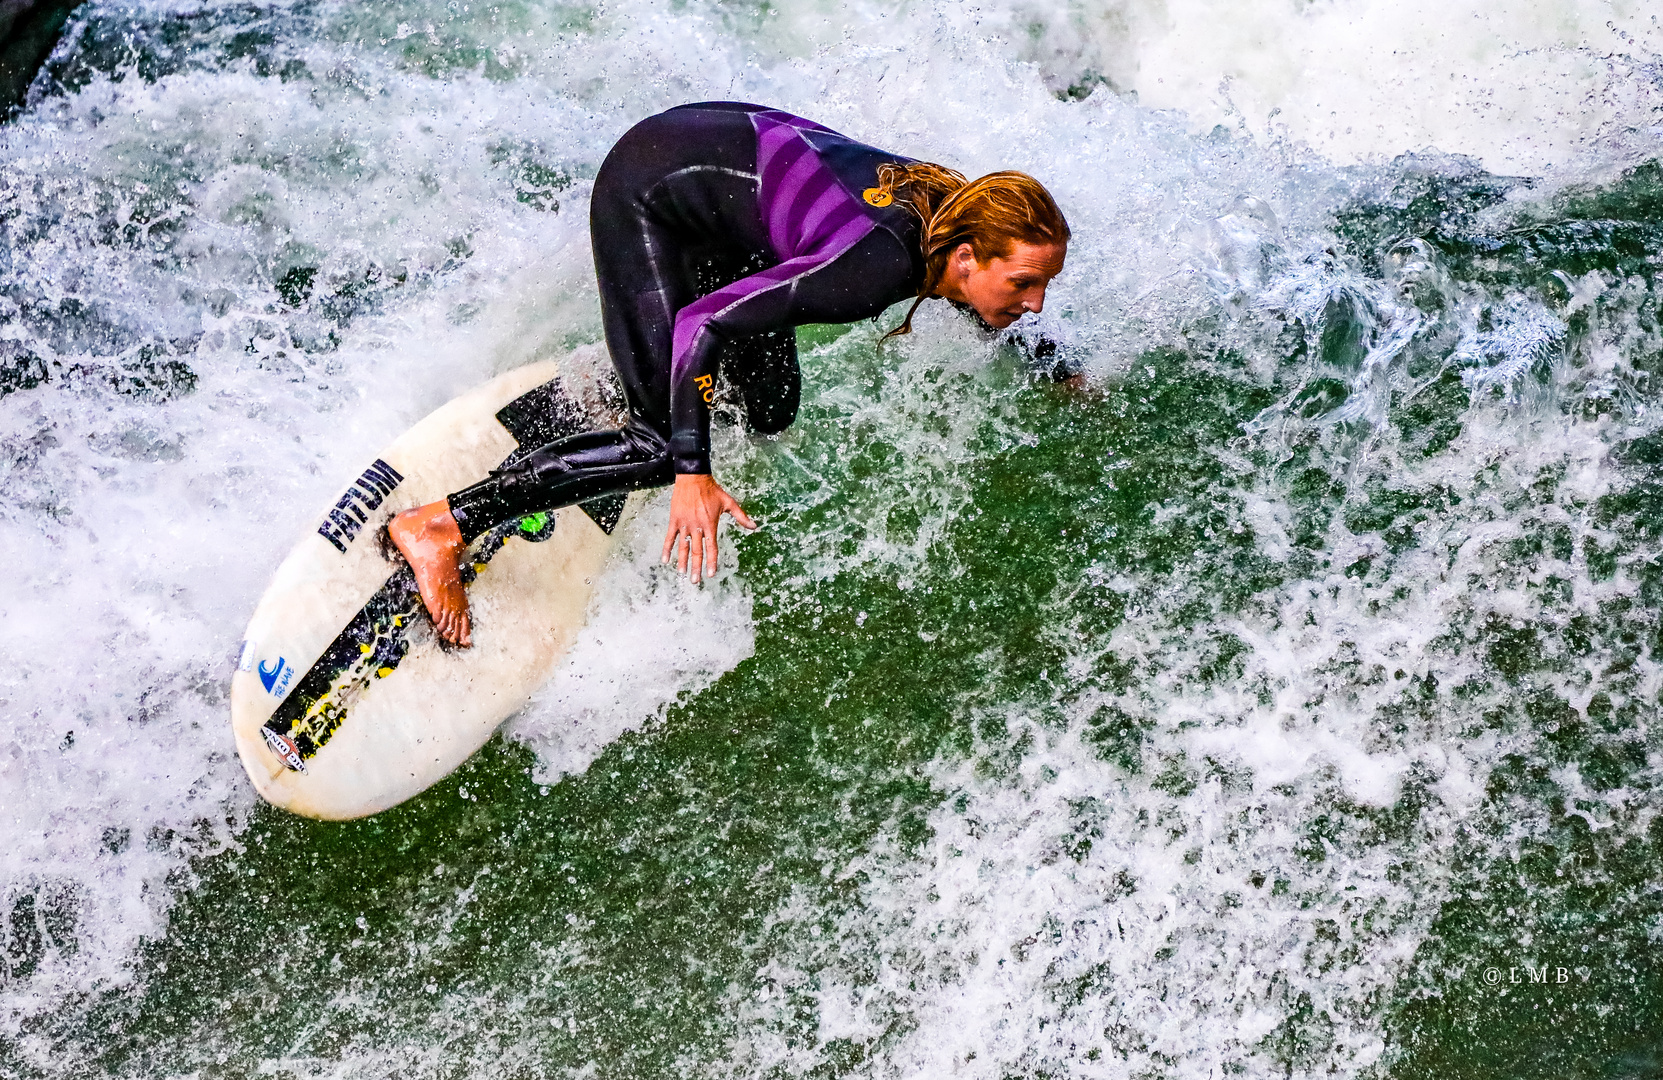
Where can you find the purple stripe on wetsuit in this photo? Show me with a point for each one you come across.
(812, 219)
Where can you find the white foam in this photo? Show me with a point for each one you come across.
(1525, 87)
(652, 639)
(1214, 907)
(140, 533)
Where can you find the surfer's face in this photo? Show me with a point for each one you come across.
(1005, 288)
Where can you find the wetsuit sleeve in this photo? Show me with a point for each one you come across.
(861, 282)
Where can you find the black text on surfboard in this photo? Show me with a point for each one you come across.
(347, 515)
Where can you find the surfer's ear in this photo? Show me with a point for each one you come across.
(961, 263)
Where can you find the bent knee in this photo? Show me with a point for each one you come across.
(771, 418)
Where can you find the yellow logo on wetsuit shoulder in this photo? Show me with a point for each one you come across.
(877, 196)
(703, 383)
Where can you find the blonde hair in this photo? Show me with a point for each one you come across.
(991, 214)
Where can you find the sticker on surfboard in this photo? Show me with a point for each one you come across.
(284, 749)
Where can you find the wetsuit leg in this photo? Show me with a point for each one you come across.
(675, 197)
(638, 321)
(572, 470)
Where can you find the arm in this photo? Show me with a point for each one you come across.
(858, 282)
(862, 281)
(1044, 356)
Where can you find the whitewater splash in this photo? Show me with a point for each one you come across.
(1524, 88)
(1200, 819)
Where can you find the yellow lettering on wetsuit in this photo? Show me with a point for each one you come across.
(703, 383)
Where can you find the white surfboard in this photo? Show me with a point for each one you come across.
(344, 701)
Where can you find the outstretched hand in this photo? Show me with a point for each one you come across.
(697, 503)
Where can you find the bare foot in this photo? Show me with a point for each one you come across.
(432, 544)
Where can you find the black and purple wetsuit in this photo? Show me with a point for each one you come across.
(717, 229)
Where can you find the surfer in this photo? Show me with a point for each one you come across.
(717, 229)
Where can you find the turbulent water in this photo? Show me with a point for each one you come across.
(1279, 703)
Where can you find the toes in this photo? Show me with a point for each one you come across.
(452, 623)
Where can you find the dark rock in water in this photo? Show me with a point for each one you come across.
(28, 31)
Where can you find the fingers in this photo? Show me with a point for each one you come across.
(691, 541)
(686, 546)
(731, 505)
(675, 548)
(695, 565)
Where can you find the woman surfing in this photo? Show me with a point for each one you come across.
(717, 229)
